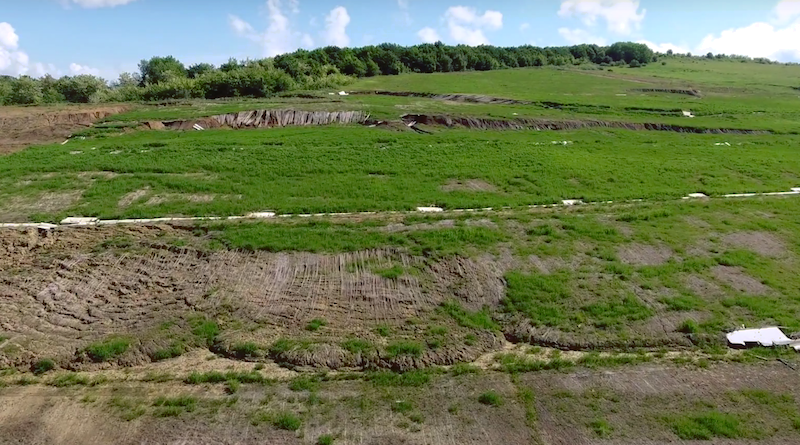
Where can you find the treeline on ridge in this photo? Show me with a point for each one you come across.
(166, 78)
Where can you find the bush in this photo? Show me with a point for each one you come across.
(25, 91)
(43, 366)
(80, 89)
(491, 398)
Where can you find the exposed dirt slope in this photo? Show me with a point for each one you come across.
(550, 124)
(65, 289)
(21, 127)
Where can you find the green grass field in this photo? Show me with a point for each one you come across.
(338, 169)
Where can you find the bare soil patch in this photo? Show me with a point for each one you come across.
(19, 209)
(160, 199)
(24, 126)
(738, 279)
(469, 185)
(763, 243)
(644, 254)
(132, 197)
(547, 265)
(702, 287)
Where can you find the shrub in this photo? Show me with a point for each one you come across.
(80, 89)
(25, 91)
(491, 398)
(43, 366)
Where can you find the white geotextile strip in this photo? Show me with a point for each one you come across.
(84, 222)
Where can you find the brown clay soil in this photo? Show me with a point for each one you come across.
(21, 127)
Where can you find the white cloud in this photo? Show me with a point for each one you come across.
(13, 62)
(757, 40)
(8, 36)
(335, 32)
(579, 36)
(92, 4)
(621, 16)
(664, 47)
(77, 70)
(465, 25)
(241, 27)
(402, 4)
(279, 37)
(524, 27)
(786, 10)
(428, 35)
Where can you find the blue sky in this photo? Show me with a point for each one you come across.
(106, 37)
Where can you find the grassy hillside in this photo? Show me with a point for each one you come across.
(578, 324)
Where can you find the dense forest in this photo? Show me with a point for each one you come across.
(166, 78)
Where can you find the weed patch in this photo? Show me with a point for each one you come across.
(108, 349)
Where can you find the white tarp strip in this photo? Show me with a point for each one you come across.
(765, 337)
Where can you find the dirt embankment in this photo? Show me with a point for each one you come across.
(689, 92)
(269, 119)
(22, 127)
(64, 290)
(555, 125)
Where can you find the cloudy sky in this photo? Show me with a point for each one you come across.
(106, 37)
